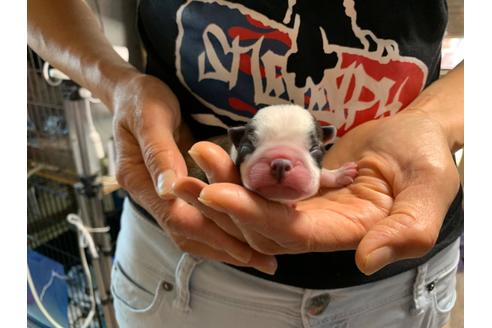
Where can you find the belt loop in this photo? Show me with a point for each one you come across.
(419, 289)
(184, 269)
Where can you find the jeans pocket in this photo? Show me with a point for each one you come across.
(443, 290)
(445, 295)
(133, 298)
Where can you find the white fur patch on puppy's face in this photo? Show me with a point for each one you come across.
(280, 132)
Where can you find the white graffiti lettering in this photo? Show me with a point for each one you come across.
(269, 90)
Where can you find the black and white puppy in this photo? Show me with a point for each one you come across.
(280, 151)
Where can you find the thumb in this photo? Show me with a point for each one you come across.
(410, 231)
(215, 162)
(162, 158)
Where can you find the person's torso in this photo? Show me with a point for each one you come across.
(346, 61)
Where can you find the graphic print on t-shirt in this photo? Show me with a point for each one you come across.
(236, 60)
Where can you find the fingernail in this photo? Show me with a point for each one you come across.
(200, 162)
(270, 266)
(243, 257)
(196, 157)
(378, 259)
(212, 205)
(205, 202)
(165, 183)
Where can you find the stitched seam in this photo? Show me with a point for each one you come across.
(244, 304)
(361, 310)
(151, 308)
(444, 272)
(448, 309)
(157, 297)
(136, 284)
(141, 217)
(162, 275)
(122, 299)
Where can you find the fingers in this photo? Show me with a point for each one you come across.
(215, 162)
(273, 228)
(178, 217)
(189, 189)
(163, 160)
(203, 237)
(187, 221)
(410, 231)
(255, 216)
(132, 174)
(218, 166)
(147, 113)
(153, 132)
(263, 263)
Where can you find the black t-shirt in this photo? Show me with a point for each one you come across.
(346, 61)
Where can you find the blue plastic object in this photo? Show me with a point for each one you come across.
(55, 299)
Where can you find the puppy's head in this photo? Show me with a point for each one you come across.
(279, 152)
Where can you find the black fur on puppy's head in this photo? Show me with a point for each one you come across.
(320, 137)
(245, 138)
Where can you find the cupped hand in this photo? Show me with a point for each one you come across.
(393, 210)
(147, 130)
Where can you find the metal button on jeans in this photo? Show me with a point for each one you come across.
(167, 286)
(318, 304)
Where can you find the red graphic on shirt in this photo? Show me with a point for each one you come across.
(408, 81)
(250, 57)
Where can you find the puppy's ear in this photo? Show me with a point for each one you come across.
(329, 134)
(236, 134)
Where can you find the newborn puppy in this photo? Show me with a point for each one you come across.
(280, 151)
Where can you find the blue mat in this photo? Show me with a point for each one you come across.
(55, 298)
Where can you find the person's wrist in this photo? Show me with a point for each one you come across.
(442, 101)
(110, 81)
(101, 71)
(450, 128)
(135, 92)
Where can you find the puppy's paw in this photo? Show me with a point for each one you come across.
(346, 174)
(340, 177)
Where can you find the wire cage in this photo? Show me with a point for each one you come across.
(47, 132)
(56, 265)
(49, 203)
(54, 256)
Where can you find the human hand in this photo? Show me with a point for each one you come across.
(146, 125)
(393, 210)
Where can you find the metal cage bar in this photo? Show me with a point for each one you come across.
(56, 144)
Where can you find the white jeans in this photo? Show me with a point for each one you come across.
(154, 284)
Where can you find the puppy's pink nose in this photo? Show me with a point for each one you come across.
(279, 167)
